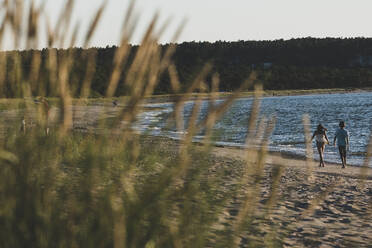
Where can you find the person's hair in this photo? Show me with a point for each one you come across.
(320, 128)
(342, 124)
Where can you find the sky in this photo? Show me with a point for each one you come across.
(229, 20)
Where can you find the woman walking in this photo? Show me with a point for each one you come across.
(321, 140)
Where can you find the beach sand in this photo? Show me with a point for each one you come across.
(316, 207)
(342, 212)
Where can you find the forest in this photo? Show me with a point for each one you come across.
(306, 63)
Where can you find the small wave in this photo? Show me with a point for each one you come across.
(288, 143)
(230, 144)
(158, 105)
(358, 153)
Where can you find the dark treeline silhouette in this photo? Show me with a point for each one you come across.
(306, 63)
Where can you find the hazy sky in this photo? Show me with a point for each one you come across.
(211, 20)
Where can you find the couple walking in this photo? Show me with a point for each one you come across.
(342, 137)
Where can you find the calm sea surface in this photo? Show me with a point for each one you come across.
(288, 136)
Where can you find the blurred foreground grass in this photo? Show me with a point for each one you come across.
(90, 191)
(62, 188)
(115, 188)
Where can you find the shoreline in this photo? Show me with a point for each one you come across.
(283, 154)
(285, 159)
(297, 161)
(168, 98)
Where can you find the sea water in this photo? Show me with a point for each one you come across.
(288, 135)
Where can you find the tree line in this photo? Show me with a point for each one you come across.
(306, 63)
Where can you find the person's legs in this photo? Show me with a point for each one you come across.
(322, 150)
(342, 150)
(319, 146)
(345, 159)
(344, 155)
(341, 157)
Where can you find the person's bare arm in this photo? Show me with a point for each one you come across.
(313, 136)
(325, 135)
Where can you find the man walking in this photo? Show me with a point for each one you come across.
(342, 137)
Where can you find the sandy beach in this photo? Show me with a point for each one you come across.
(343, 216)
(330, 207)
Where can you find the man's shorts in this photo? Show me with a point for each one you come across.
(342, 150)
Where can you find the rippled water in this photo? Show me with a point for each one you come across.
(288, 136)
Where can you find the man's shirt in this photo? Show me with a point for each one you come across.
(341, 136)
